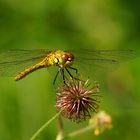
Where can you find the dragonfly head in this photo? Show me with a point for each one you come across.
(67, 59)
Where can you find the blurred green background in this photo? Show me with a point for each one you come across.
(51, 24)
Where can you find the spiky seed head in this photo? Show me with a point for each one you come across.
(77, 99)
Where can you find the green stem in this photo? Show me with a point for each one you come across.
(60, 134)
(80, 131)
(44, 126)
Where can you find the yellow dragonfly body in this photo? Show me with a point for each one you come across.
(53, 58)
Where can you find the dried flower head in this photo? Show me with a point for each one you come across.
(101, 121)
(77, 99)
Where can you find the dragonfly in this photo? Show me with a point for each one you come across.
(20, 63)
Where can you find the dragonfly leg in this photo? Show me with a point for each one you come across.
(55, 77)
(76, 70)
(63, 76)
(71, 75)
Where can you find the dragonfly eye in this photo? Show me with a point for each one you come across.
(71, 57)
(68, 57)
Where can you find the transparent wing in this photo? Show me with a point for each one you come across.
(105, 56)
(14, 61)
(97, 62)
(19, 55)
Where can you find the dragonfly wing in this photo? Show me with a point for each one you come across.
(97, 62)
(106, 56)
(14, 61)
(21, 55)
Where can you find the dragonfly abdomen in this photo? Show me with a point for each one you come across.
(27, 71)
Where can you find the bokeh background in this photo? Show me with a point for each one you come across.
(51, 24)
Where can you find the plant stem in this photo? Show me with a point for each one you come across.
(44, 126)
(80, 131)
(60, 134)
